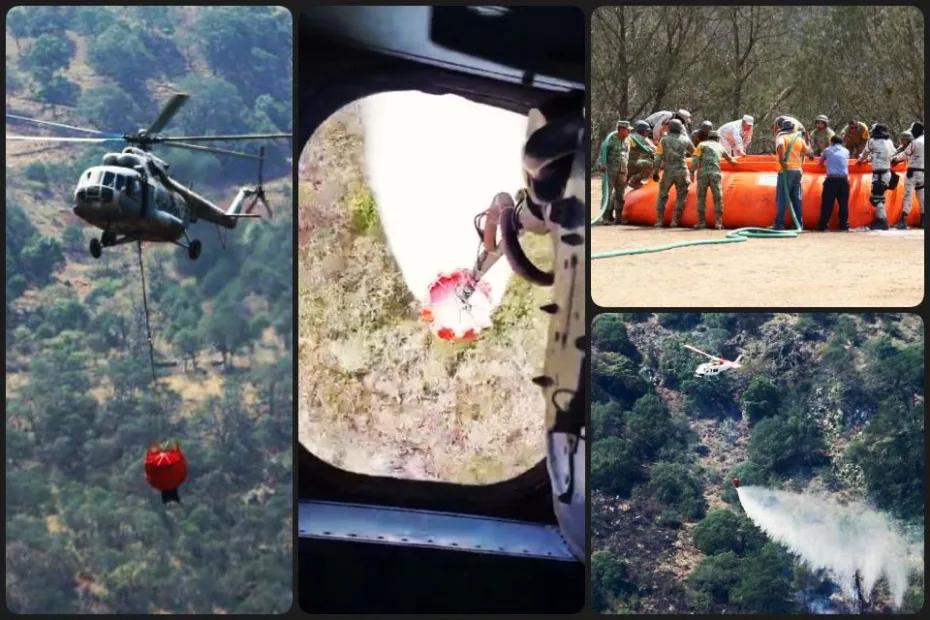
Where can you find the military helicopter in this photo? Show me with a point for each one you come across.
(716, 366)
(131, 196)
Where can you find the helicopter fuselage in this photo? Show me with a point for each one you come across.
(120, 200)
(711, 369)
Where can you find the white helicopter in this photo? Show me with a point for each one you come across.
(716, 366)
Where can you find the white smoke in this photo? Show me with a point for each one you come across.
(434, 163)
(840, 539)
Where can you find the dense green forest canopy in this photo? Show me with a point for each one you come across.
(825, 403)
(861, 63)
(85, 533)
(116, 66)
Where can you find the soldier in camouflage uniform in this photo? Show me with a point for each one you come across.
(706, 166)
(642, 153)
(618, 159)
(821, 136)
(700, 134)
(672, 153)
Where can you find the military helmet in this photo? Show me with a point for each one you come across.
(822, 118)
(714, 135)
(675, 126)
(640, 126)
(709, 126)
(906, 135)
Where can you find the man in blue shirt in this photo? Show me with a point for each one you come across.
(836, 185)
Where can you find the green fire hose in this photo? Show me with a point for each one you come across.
(733, 236)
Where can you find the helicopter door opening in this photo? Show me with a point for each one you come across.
(414, 454)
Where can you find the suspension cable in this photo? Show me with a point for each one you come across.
(145, 307)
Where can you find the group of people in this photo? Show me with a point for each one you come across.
(662, 143)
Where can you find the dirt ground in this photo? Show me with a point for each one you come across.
(867, 269)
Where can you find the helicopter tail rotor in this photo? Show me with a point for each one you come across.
(260, 189)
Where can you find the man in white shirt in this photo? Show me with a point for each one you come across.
(659, 122)
(879, 150)
(912, 151)
(735, 136)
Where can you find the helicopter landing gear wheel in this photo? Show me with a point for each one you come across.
(193, 250)
(96, 249)
(108, 238)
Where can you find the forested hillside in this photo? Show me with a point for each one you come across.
(721, 62)
(824, 404)
(85, 533)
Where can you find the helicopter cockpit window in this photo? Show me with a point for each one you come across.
(382, 393)
(108, 179)
(120, 182)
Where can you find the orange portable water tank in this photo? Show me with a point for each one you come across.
(749, 197)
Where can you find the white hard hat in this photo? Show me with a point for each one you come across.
(748, 120)
(684, 114)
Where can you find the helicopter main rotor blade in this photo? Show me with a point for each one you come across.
(57, 139)
(251, 136)
(210, 149)
(696, 350)
(171, 108)
(35, 151)
(62, 125)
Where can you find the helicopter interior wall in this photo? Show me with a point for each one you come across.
(527, 497)
(347, 577)
(351, 73)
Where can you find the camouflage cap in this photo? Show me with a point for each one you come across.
(623, 125)
(707, 125)
(821, 118)
(675, 126)
(906, 135)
